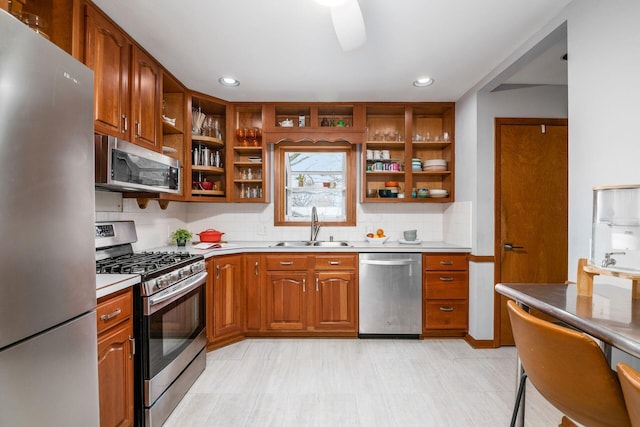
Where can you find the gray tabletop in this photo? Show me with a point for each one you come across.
(610, 315)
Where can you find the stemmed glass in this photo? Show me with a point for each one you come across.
(240, 136)
(250, 134)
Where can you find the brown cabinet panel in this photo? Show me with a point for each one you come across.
(446, 314)
(446, 285)
(287, 262)
(115, 360)
(145, 102)
(335, 262)
(113, 310)
(107, 53)
(227, 294)
(446, 262)
(335, 300)
(286, 300)
(252, 275)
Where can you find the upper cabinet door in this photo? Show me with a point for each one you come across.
(145, 103)
(107, 53)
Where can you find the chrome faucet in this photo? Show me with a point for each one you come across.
(315, 224)
(608, 261)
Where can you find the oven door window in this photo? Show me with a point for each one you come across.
(171, 329)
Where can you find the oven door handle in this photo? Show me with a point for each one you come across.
(178, 290)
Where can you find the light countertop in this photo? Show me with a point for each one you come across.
(110, 283)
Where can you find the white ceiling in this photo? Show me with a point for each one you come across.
(287, 50)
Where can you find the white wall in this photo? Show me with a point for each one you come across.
(478, 178)
(604, 107)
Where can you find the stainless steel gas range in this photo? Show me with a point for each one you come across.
(169, 317)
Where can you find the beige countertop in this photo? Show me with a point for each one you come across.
(110, 283)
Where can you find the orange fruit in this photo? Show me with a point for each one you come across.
(380, 232)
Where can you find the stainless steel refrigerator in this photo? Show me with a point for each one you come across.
(48, 354)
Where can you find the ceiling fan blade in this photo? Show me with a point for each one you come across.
(349, 25)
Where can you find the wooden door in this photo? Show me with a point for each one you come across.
(115, 376)
(531, 241)
(227, 295)
(335, 300)
(107, 53)
(286, 300)
(145, 100)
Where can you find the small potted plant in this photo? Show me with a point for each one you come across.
(181, 236)
(300, 179)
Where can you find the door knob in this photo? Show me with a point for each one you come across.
(511, 246)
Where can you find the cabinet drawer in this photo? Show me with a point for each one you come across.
(446, 284)
(114, 310)
(335, 262)
(445, 314)
(446, 262)
(286, 262)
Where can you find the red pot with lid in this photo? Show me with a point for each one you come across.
(210, 236)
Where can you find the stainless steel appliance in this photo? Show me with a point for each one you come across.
(390, 301)
(48, 354)
(123, 166)
(169, 317)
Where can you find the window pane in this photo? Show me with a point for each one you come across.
(315, 179)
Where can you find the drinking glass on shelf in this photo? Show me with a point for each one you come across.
(240, 136)
(250, 135)
(258, 139)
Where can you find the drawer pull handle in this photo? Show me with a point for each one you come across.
(446, 262)
(111, 315)
(446, 308)
(334, 262)
(317, 287)
(132, 340)
(286, 262)
(255, 268)
(446, 279)
(304, 285)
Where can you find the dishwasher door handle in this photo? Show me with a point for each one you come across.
(388, 262)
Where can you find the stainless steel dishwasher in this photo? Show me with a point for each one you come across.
(390, 302)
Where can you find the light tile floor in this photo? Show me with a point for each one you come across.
(352, 382)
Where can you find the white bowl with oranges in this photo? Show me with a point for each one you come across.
(378, 237)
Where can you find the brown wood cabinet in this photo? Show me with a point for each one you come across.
(336, 297)
(317, 122)
(198, 168)
(225, 300)
(145, 100)
(253, 273)
(125, 105)
(248, 153)
(311, 294)
(408, 132)
(115, 359)
(64, 21)
(445, 294)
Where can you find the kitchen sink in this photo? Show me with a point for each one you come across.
(294, 243)
(332, 244)
(307, 243)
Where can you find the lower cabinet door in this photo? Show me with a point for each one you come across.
(286, 300)
(335, 300)
(115, 376)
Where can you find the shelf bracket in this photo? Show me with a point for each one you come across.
(142, 202)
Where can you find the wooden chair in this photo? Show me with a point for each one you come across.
(568, 368)
(630, 382)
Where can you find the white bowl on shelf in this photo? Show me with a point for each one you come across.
(377, 240)
(437, 193)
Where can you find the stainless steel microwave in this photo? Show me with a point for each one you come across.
(125, 167)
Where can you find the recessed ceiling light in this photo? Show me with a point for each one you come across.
(228, 81)
(423, 82)
(330, 3)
